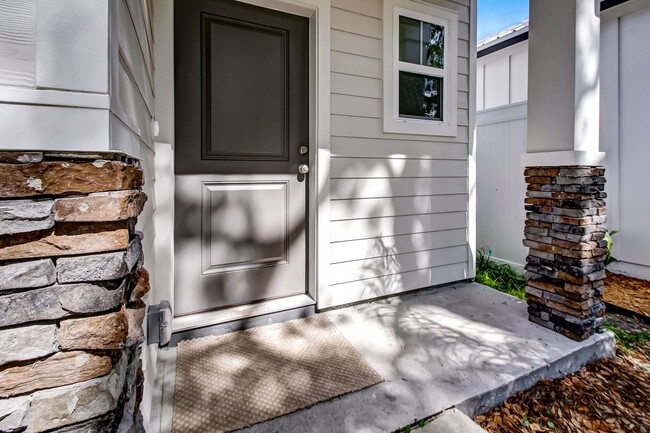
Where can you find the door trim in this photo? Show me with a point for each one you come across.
(318, 13)
(239, 312)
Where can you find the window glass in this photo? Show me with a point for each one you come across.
(410, 47)
(420, 96)
(421, 43)
(433, 45)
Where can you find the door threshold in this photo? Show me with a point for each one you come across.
(241, 312)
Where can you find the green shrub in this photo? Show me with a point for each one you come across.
(610, 243)
(499, 276)
(629, 340)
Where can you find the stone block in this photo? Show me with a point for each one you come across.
(581, 171)
(569, 237)
(545, 323)
(575, 246)
(59, 301)
(575, 262)
(532, 291)
(59, 178)
(135, 318)
(27, 275)
(542, 285)
(559, 306)
(580, 204)
(540, 224)
(542, 270)
(539, 209)
(583, 221)
(586, 270)
(20, 157)
(585, 295)
(538, 238)
(60, 369)
(542, 187)
(538, 201)
(583, 189)
(540, 217)
(103, 424)
(544, 180)
(536, 231)
(133, 253)
(578, 229)
(105, 206)
(589, 180)
(572, 196)
(66, 240)
(541, 171)
(96, 267)
(541, 254)
(575, 279)
(21, 216)
(574, 254)
(540, 194)
(141, 286)
(547, 248)
(30, 342)
(574, 213)
(534, 277)
(104, 332)
(578, 304)
(75, 403)
(13, 414)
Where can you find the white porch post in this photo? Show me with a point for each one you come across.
(563, 83)
(566, 212)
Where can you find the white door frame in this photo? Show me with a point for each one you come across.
(318, 12)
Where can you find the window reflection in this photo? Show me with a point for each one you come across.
(421, 43)
(420, 96)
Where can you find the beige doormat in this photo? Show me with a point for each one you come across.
(232, 381)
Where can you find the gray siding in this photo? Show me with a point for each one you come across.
(17, 43)
(398, 204)
(132, 101)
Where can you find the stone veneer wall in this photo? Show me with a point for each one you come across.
(71, 288)
(565, 230)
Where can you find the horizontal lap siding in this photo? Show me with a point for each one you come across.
(134, 99)
(17, 43)
(133, 103)
(398, 203)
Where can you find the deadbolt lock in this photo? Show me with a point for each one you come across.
(303, 169)
(303, 150)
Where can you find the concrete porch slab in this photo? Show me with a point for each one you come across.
(465, 346)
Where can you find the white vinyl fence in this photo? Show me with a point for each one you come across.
(624, 136)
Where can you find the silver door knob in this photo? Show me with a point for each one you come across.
(303, 169)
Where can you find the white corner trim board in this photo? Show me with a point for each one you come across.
(562, 158)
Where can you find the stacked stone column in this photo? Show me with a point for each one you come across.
(71, 288)
(565, 231)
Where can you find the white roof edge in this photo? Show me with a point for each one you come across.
(503, 35)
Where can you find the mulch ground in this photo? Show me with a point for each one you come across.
(609, 396)
(629, 293)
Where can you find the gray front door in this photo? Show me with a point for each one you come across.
(242, 115)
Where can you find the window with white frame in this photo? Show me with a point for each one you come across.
(419, 68)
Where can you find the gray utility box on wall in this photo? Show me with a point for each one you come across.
(159, 320)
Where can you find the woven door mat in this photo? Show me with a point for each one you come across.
(228, 382)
